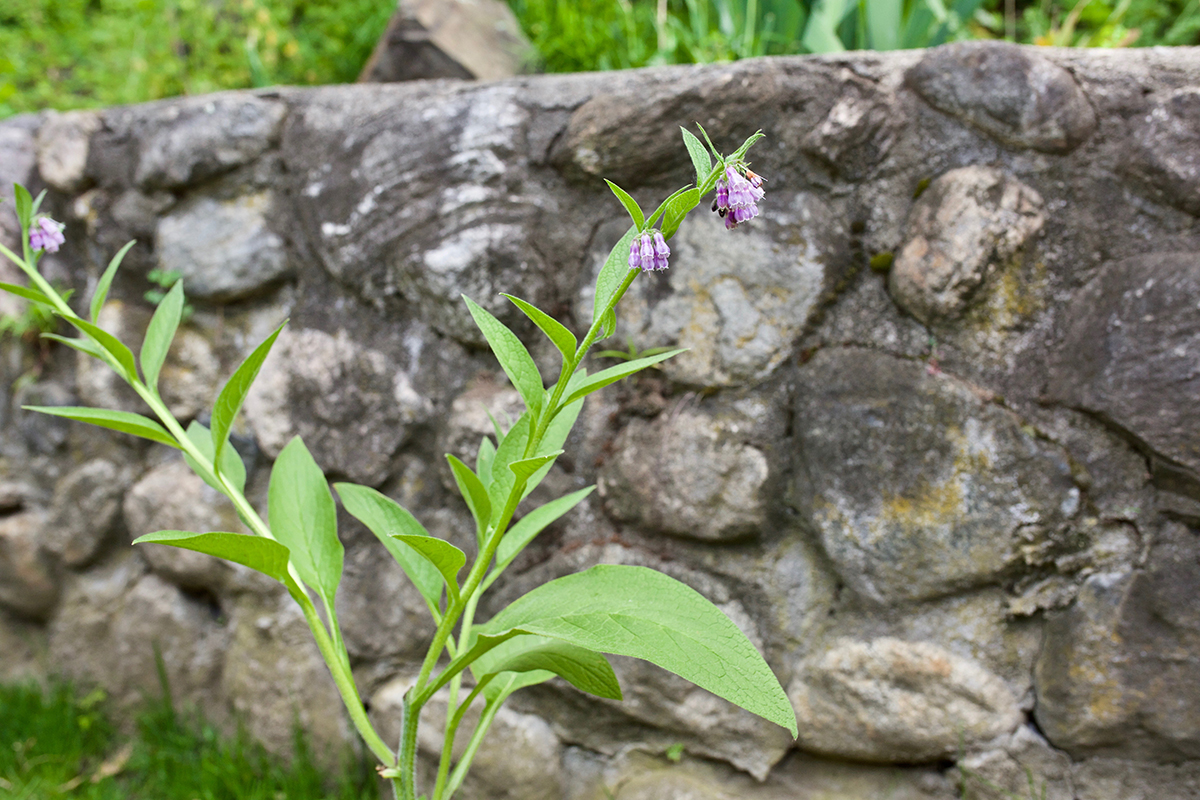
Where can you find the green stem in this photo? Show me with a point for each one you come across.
(453, 720)
(464, 763)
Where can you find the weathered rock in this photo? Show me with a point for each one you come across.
(1113, 779)
(29, 583)
(895, 701)
(86, 512)
(352, 406)
(1165, 158)
(470, 419)
(1129, 349)
(23, 644)
(688, 474)
(1118, 673)
(915, 485)
(62, 149)
(1011, 93)
(968, 223)
(456, 39)
(17, 159)
(858, 131)
(193, 139)
(1023, 765)
(225, 249)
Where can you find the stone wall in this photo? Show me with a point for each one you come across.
(935, 446)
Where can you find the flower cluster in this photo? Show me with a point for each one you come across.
(649, 252)
(46, 234)
(737, 196)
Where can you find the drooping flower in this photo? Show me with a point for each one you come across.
(649, 252)
(46, 234)
(737, 196)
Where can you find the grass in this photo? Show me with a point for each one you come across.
(57, 744)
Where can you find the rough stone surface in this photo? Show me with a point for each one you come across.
(965, 225)
(1023, 765)
(29, 582)
(23, 644)
(62, 148)
(1132, 780)
(1009, 92)
(87, 511)
(895, 701)
(1166, 140)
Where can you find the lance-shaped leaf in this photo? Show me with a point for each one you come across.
(678, 209)
(483, 460)
(613, 374)
(616, 266)
(159, 334)
(255, 552)
(746, 145)
(584, 669)
(385, 518)
(504, 684)
(638, 612)
(445, 557)
(635, 211)
(123, 421)
(37, 202)
(526, 467)
(474, 493)
(562, 338)
(510, 450)
(82, 345)
(513, 357)
(533, 523)
(24, 204)
(235, 391)
(231, 463)
(32, 295)
(106, 280)
(700, 158)
(304, 519)
(121, 354)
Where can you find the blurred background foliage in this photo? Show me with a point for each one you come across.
(87, 53)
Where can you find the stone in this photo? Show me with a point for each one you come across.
(964, 227)
(29, 582)
(889, 700)
(23, 644)
(1023, 765)
(688, 474)
(915, 485)
(62, 149)
(86, 511)
(225, 249)
(351, 404)
(470, 419)
(17, 160)
(1118, 779)
(1164, 158)
(1013, 94)
(736, 299)
(857, 133)
(171, 497)
(449, 39)
(1117, 674)
(1127, 354)
(191, 140)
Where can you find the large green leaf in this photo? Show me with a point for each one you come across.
(562, 338)
(474, 493)
(304, 519)
(613, 374)
(638, 612)
(533, 523)
(699, 154)
(513, 357)
(506, 683)
(235, 391)
(584, 669)
(101, 293)
(616, 266)
(32, 295)
(24, 205)
(120, 354)
(445, 557)
(159, 334)
(255, 552)
(385, 518)
(123, 421)
(231, 463)
(635, 211)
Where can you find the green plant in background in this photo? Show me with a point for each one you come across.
(164, 280)
(564, 627)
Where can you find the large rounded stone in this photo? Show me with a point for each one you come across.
(62, 148)
(1004, 769)
(29, 582)
(895, 701)
(86, 511)
(1165, 159)
(965, 226)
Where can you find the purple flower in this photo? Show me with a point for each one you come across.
(649, 251)
(738, 196)
(46, 234)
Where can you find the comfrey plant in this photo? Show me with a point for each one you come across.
(564, 627)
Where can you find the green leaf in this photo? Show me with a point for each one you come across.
(635, 211)
(255, 552)
(638, 612)
(24, 205)
(474, 493)
(526, 467)
(612, 273)
(32, 295)
(445, 557)
(235, 391)
(584, 669)
(700, 158)
(556, 434)
(484, 459)
(511, 449)
(159, 335)
(123, 421)
(533, 523)
(563, 339)
(746, 145)
(512, 355)
(231, 463)
(304, 519)
(609, 323)
(385, 518)
(82, 345)
(121, 354)
(662, 208)
(101, 293)
(677, 211)
(613, 374)
(37, 203)
(504, 684)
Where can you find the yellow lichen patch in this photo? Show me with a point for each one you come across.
(928, 505)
